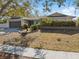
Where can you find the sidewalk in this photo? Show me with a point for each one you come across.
(35, 53)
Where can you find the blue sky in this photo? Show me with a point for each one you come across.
(68, 9)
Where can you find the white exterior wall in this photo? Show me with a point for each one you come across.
(5, 25)
(62, 18)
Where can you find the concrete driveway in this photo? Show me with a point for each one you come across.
(36, 53)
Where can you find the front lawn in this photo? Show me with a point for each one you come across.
(50, 41)
(56, 41)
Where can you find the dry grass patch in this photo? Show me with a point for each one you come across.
(9, 37)
(51, 41)
(57, 41)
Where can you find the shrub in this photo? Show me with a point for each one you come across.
(38, 26)
(77, 22)
(17, 39)
(59, 39)
(50, 22)
(63, 23)
(67, 41)
(3, 21)
(24, 26)
(33, 27)
(46, 22)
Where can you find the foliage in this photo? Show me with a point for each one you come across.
(77, 3)
(2, 21)
(27, 4)
(77, 22)
(46, 21)
(16, 39)
(58, 39)
(50, 22)
(31, 5)
(64, 23)
(13, 8)
(25, 26)
(34, 27)
(38, 25)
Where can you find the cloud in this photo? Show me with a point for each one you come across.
(68, 11)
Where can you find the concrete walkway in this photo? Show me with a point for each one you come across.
(36, 53)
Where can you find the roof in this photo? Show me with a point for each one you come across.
(32, 18)
(56, 14)
(15, 17)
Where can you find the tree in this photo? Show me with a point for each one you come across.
(12, 6)
(31, 5)
(28, 4)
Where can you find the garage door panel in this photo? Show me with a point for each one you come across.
(15, 24)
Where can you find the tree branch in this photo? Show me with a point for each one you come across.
(5, 6)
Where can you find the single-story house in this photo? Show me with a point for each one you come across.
(17, 22)
(62, 24)
(31, 21)
(61, 17)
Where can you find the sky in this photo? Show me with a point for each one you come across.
(68, 9)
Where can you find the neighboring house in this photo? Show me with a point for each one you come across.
(31, 21)
(61, 17)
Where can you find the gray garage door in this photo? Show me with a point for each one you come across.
(14, 24)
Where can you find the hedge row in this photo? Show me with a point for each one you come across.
(58, 23)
